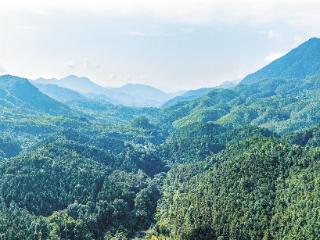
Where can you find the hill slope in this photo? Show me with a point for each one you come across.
(195, 170)
(299, 63)
(281, 101)
(59, 93)
(197, 93)
(187, 96)
(19, 93)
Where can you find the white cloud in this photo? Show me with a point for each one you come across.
(136, 34)
(300, 13)
(54, 31)
(298, 39)
(85, 62)
(241, 74)
(28, 28)
(2, 70)
(69, 64)
(88, 64)
(273, 56)
(144, 34)
(272, 35)
(187, 30)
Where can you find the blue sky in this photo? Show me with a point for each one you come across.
(174, 45)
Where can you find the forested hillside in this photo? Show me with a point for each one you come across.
(239, 163)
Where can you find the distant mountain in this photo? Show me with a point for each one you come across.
(19, 93)
(60, 94)
(194, 94)
(80, 84)
(228, 84)
(187, 96)
(138, 95)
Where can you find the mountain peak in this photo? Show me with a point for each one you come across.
(79, 84)
(22, 94)
(137, 94)
(313, 39)
(9, 81)
(299, 63)
(8, 77)
(73, 76)
(140, 87)
(311, 44)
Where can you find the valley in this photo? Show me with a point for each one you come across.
(81, 161)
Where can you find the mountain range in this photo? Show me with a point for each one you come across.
(73, 88)
(231, 162)
(138, 95)
(267, 98)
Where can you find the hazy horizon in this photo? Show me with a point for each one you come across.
(172, 45)
(111, 158)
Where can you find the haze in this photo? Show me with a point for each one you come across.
(173, 45)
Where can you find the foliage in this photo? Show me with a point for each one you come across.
(240, 163)
(249, 192)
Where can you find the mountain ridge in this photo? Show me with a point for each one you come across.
(20, 93)
(298, 63)
(236, 163)
(148, 96)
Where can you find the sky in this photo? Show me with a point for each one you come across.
(170, 44)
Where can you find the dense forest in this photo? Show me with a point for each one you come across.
(241, 163)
